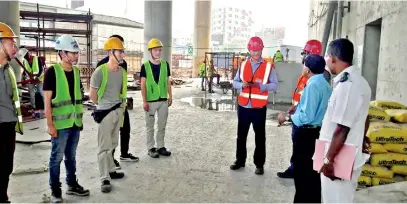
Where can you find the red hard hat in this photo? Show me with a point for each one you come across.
(313, 47)
(255, 44)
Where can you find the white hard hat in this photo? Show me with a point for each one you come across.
(67, 43)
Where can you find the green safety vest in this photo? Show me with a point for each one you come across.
(102, 89)
(279, 57)
(16, 99)
(35, 69)
(156, 91)
(202, 69)
(64, 113)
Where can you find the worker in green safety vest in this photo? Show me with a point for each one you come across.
(34, 65)
(157, 97)
(211, 72)
(11, 120)
(278, 57)
(202, 74)
(108, 89)
(64, 112)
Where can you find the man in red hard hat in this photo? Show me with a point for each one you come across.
(254, 79)
(312, 47)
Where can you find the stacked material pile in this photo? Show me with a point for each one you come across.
(388, 135)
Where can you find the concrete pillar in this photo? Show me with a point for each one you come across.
(158, 24)
(10, 15)
(202, 33)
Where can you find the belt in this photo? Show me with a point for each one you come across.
(310, 126)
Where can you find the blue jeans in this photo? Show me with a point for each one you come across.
(66, 143)
(293, 133)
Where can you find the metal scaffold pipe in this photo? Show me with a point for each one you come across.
(331, 10)
(339, 19)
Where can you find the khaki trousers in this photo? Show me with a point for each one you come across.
(161, 108)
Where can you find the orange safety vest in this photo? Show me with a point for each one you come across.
(258, 99)
(301, 82)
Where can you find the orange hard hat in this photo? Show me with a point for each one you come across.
(6, 31)
(313, 47)
(255, 44)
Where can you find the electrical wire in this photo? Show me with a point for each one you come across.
(314, 18)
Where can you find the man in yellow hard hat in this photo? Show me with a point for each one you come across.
(11, 120)
(157, 97)
(109, 90)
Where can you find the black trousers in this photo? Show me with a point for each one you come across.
(246, 117)
(7, 147)
(124, 135)
(307, 181)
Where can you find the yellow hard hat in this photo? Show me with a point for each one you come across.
(113, 44)
(154, 43)
(6, 31)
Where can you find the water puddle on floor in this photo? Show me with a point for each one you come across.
(214, 104)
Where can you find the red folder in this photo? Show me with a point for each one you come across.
(344, 161)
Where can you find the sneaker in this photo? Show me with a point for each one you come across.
(117, 164)
(153, 153)
(116, 175)
(259, 171)
(129, 158)
(163, 151)
(236, 166)
(76, 189)
(56, 195)
(106, 187)
(286, 174)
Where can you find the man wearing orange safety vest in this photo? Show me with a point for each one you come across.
(254, 79)
(312, 47)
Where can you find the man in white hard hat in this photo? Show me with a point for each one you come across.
(64, 111)
(11, 120)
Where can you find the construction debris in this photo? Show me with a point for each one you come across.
(178, 81)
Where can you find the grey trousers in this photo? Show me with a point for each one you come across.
(108, 138)
(161, 108)
(32, 90)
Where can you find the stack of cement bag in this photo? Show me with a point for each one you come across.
(388, 135)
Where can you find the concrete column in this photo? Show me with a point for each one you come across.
(158, 24)
(202, 33)
(10, 15)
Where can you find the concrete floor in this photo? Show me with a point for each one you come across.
(203, 146)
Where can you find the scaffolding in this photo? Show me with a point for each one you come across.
(41, 34)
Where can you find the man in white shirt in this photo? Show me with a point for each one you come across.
(344, 122)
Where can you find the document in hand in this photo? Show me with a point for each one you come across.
(343, 164)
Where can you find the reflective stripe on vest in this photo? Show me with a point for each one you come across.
(123, 92)
(156, 90)
(64, 113)
(257, 98)
(16, 99)
(301, 82)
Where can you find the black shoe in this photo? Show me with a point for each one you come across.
(129, 158)
(117, 164)
(56, 194)
(163, 151)
(202, 89)
(287, 174)
(76, 189)
(116, 175)
(106, 187)
(237, 166)
(259, 171)
(153, 153)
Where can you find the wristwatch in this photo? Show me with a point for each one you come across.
(326, 160)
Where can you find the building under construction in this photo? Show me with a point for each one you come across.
(377, 30)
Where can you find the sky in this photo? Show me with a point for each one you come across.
(292, 14)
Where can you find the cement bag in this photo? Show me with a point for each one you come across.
(399, 169)
(388, 159)
(383, 181)
(396, 148)
(388, 105)
(377, 114)
(386, 132)
(376, 171)
(377, 148)
(397, 115)
(365, 181)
